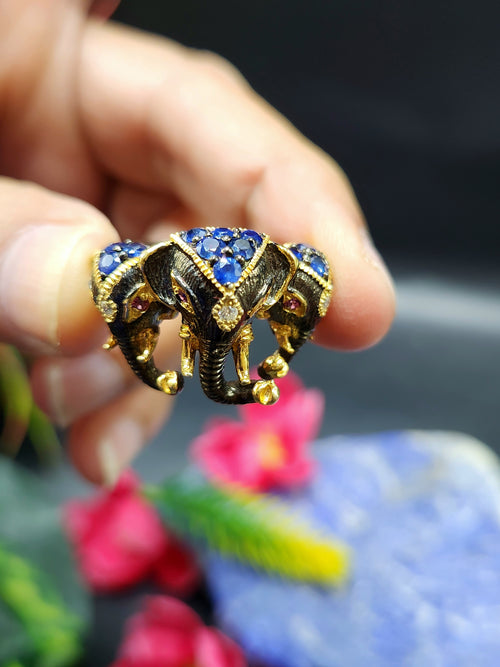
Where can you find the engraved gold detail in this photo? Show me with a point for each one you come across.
(241, 351)
(178, 289)
(168, 382)
(206, 269)
(324, 301)
(228, 311)
(282, 333)
(265, 392)
(104, 303)
(110, 343)
(300, 310)
(144, 293)
(275, 366)
(189, 346)
(146, 341)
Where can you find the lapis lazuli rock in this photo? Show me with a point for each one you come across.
(422, 514)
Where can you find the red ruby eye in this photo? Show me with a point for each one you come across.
(140, 304)
(292, 304)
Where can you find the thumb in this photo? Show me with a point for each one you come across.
(46, 244)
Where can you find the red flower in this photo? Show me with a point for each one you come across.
(167, 633)
(267, 450)
(120, 540)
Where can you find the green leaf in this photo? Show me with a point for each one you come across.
(16, 401)
(43, 607)
(21, 417)
(43, 437)
(255, 529)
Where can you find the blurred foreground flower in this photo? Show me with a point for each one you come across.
(267, 450)
(168, 633)
(120, 540)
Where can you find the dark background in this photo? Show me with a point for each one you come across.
(406, 97)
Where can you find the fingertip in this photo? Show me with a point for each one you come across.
(102, 444)
(363, 302)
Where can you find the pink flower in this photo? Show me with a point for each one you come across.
(268, 449)
(167, 633)
(120, 540)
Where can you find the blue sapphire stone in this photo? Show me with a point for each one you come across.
(113, 255)
(318, 264)
(243, 247)
(222, 232)
(208, 247)
(252, 236)
(297, 252)
(194, 235)
(227, 270)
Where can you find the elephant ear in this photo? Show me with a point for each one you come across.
(157, 267)
(270, 278)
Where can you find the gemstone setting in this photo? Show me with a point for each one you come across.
(312, 258)
(116, 253)
(228, 251)
(227, 312)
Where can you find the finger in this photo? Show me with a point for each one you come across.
(195, 128)
(103, 9)
(102, 444)
(67, 388)
(46, 244)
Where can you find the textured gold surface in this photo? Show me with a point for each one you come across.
(228, 303)
(189, 346)
(241, 352)
(275, 366)
(265, 392)
(168, 383)
(282, 333)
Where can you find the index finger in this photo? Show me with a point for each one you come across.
(169, 119)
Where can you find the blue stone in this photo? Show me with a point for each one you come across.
(296, 251)
(318, 264)
(421, 513)
(194, 235)
(222, 232)
(133, 249)
(253, 236)
(113, 255)
(227, 270)
(209, 247)
(243, 247)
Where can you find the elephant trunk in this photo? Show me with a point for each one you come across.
(213, 383)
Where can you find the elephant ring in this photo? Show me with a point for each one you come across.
(218, 279)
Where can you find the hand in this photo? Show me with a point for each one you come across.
(115, 125)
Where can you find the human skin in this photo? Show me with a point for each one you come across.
(108, 133)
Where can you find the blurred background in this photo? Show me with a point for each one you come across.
(406, 97)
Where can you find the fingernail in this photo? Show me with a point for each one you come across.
(41, 266)
(118, 447)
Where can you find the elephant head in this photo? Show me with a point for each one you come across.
(217, 279)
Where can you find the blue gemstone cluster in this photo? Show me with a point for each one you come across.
(227, 250)
(116, 253)
(311, 257)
